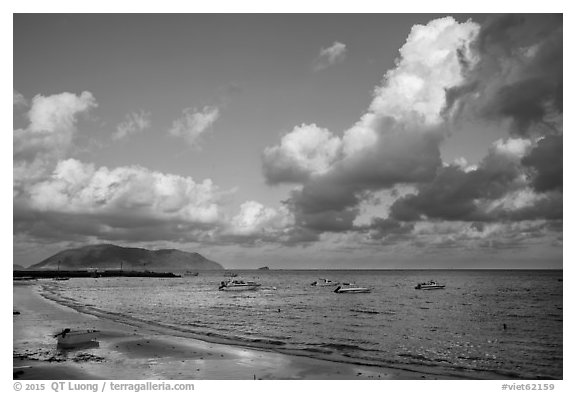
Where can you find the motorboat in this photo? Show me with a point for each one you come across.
(429, 285)
(351, 288)
(71, 338)
(322, 282)
(238, 285)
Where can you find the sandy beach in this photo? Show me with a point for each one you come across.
(127, 352)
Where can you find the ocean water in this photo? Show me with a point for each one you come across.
(458, 331)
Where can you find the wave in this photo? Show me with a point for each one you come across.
(307, 326)
(325, 351)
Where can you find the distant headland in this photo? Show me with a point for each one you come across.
(113, 257)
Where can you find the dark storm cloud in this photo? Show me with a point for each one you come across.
(519, 73)
(447, 197)
(381, 228)
(329, 203)
(276, 170)
(452, 195)
(402, 156)
(480, 195)
(548, 207)
(81, 227)
(518, 77)
(503, 35)
(546, 161)
(300, 235)
(519, 234)
(325, 220)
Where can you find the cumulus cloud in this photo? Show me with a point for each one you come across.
(49, 135)
(256, 222)
(57, 113)
(79, 199)
(448, 74)
(396, 141)
(308, 150)
(79, 202)
(61, 198)
(252, 217)
(330, 56)
(124, 191)
(19, 100)
(516, 82)
(134, 122)
(58, 197)
(435, 58)
(194, 123)
(506, 73)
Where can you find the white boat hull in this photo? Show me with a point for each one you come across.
(352, 290)
(428, 288)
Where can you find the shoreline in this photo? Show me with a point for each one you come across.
(138, 351)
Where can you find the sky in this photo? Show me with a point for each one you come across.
(312, 141)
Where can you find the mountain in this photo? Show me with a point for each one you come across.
(109, 256)
(17, 267)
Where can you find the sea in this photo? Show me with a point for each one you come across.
(485, 324)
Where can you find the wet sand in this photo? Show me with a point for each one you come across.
(128, 352)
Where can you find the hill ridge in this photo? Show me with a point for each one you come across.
(112, 256)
